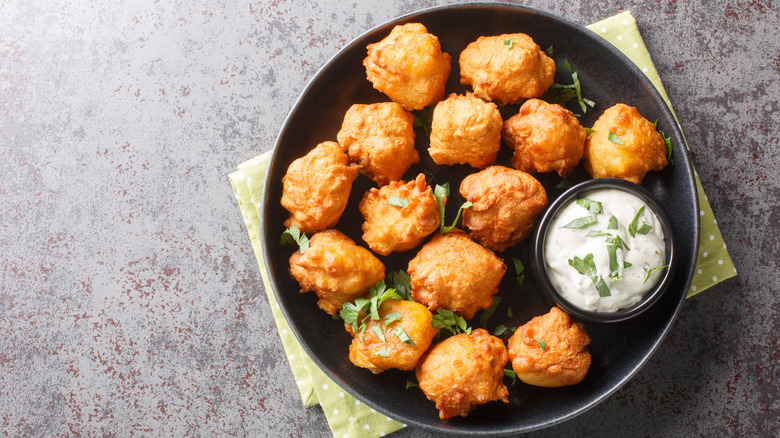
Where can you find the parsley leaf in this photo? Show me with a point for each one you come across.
(500, 330)
(615, 139)
(424, 118)
(430, 179)
(402, 283)
(597, 233)
(383, 352)
(564, 184)
(637, 226)
(519, 270)
(582, 222)
(392, 317)
(587, 267)
(294, 235)
(410, 384)
(549, 51)
(397, 202)
(594, 207)
(448, 320)
(446, 230)
(651, 272)
(379, 333)
(400, 333)
(441, 193)
(588, 131)
(566, 64)
(542, 344)
(511, 373)
(487, 313)
(510, 42)
(613, 223)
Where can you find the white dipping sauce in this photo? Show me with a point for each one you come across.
(645, 252)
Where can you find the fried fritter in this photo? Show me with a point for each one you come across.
(380, 137)
(464, 371)
(414, 322)
(545, 138)
(409, 66)
(336, 269)
(505, 206)
(643, 148)
(316, 187)
(465, 130)
(389, 227)
(549, 350)
(506, 68)
(455, 273)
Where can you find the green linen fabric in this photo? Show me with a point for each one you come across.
(348, 417)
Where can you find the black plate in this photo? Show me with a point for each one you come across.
(618, 350)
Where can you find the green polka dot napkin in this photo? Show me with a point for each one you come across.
(348, 417)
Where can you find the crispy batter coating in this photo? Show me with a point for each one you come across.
(336, 269)
(464, 371)
(465, 130)
(409, 66)
(389, 228)
(415, 321)
(506, 68)
(380, 137)
(316, 187)
(455, 273)
(563, 361)
(545, 138)
(506, 204)
(642, 150)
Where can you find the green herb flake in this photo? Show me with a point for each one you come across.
(669, 149)
(597, 233)
(627, 265)
(294, 235)
(379, 333)
(652, 271)
(613, 223)
(430, 178)
(549, 51)
(593, 207)
(447, 320)
(410, 384)
(446, 230)
(383, 352)
(582, 222)
(637, 226)
(402, 283)
(589, 131)
(615, 139)
(585, 266)
(510, 313)
(566, 65)
(564, 184)
(424, 118)
(392, 317)
(441, 193)
(500, 330)
(519, 270)
(510, 42)
(400, 333)
(614, 266)
(397, 202)
(511, 373)
(487, 313)
(618, 242)
(542, 344)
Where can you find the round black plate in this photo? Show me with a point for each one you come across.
(618, 349)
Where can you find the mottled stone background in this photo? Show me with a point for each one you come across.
(130, 300)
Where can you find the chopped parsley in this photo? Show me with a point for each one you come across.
(519, 270)
(410, 384)
(652, 271)
(357, 313)
(294, 235)
(637, 226)
(614, 138)
(510, 42)
(424, 118)
(542, 344)
(589, 131)
(401, 282)
(587, 267)
(549, 51)
(448, 320)
(441, 192)
(511, 373)
(613, 223)
(397, 202)
(593, 207)
(564, 184)
(582, 222)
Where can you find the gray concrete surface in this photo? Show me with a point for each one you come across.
(130, 301)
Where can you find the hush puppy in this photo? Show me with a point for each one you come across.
(549, 350)
(506, 68)
(455, 273)
(506, 204)
(380, 137)
(465, 130)
(464, 371)
(336, 269)
(633, 149)
(545, 138)
(406, 338)
(399, 215)
(409, 66)
(316, 187)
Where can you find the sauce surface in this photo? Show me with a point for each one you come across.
(607, 260)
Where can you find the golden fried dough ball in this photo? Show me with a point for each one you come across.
(380, 137)
(414, 322)
(464, 371)
(465, 130)
(455, 273)
(409, 66)
(505, 206)
(545, 138)
(642, 150)
(549, 350)
(389, 227)
(316, 187)
(506, 68)
(336, 269)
